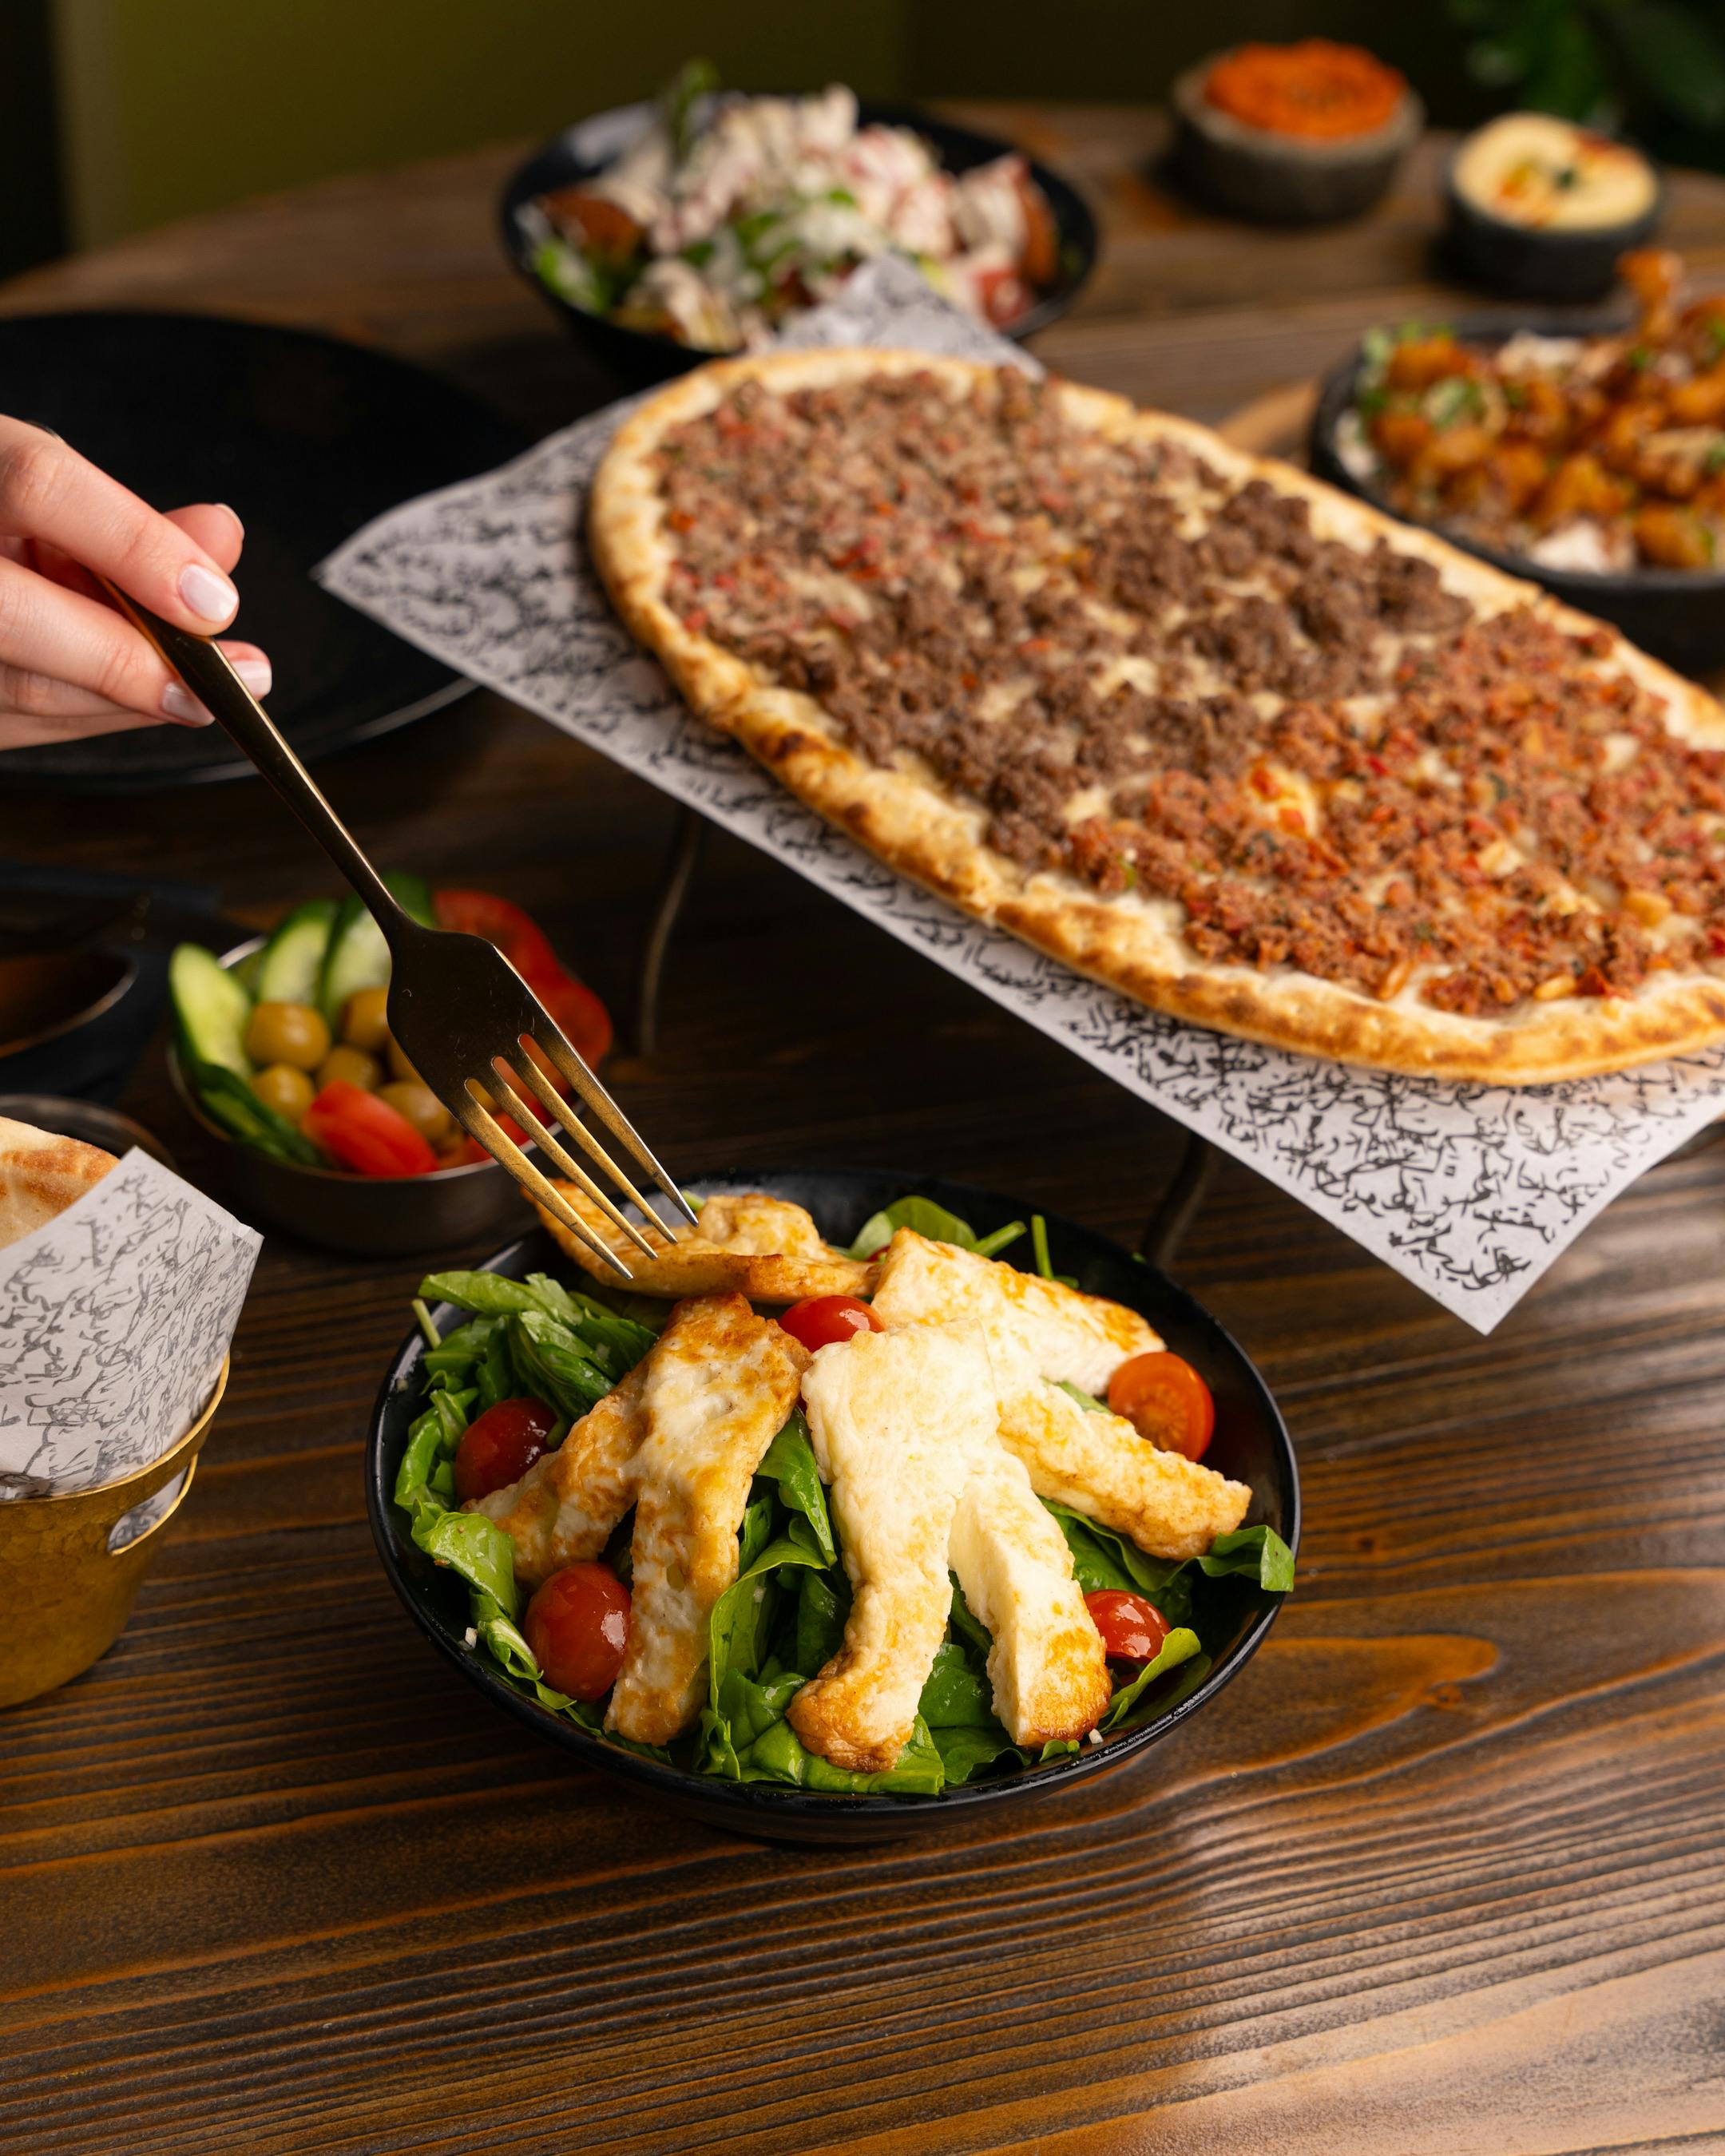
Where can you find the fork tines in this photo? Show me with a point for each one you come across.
(503, 1088)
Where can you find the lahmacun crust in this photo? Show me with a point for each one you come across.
(1130, 942)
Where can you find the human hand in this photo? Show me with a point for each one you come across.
(69, 664)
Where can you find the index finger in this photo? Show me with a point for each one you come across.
(48, 492)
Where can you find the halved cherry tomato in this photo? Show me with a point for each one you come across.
(1132, 1629)
(1165, 1401)
(366, 1134)
(578, 1626)
(585, 1022)
(498, 1447)
(824, 1319)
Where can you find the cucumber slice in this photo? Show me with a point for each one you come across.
(357, 956)
(212, 1007)
(291, 965)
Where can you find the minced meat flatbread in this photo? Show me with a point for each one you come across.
(1205, 729)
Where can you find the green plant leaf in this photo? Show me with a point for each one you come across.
(789, 1461)
(1677, 55)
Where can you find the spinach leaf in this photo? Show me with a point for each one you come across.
(495, 1376)
(789, 1461)
(965, 1627)
(469, 1543)
(487, 1295)
(450, 1364)
(958, 1694)
(1085, 1400)
(934, 1221)
(737, 1629)
(777, 1754)
(967, 1748)
(551, 1359)
(1257, 1553)
(821, 1612)
(1101, 1558)
(1181, 1644)
(432, 1439)
(756, 1531)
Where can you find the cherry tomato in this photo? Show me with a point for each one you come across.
(366, 1134)
(1165, 1401)
(578, 1626)
(824, 1319)
(1132, 1629)
(498, 1447)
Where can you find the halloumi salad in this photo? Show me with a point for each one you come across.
(894, 1518)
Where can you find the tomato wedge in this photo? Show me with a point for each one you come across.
(1132, 1629)
(366, 1134)
(585, 1022)
(1165, 1401)
(517, 935)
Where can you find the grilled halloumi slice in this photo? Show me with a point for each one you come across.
(564, 1507)
(746, 1243)
(718, 1388)
(1098, 1464)
(900, 1423)
(1036, 1327)
(1046, 1664)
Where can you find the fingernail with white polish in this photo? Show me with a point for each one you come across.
(256, 675)
(178, 703)
(210, 596)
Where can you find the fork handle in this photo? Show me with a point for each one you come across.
(204, 669)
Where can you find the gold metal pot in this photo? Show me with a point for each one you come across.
(64, 1595)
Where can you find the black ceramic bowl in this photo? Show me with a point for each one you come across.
(581, 151)
(1535, 265)
(1676, 614)
(1250, 1444)
(1284, 179)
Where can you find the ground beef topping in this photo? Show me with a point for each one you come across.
(1163, 681)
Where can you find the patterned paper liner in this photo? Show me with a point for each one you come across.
(1470, 1191)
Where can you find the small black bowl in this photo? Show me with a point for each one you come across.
(1534, 264)
(1251, 1444)
(583, 151)
(1675, 614)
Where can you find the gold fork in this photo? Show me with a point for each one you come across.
(459, 1010)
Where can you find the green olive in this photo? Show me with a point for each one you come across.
(421, 1107)
(399, 1065)
(287, 1032)
(351, 1064)
(285, 1088)
(364, 1020)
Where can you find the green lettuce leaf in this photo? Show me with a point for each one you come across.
(927, 1219)
(553, 1364)
(469, 1543)
(789, 1461)
(958, 1694)
(1181, 1644)
(1257, 1553)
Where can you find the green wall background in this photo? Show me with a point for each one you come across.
(170, 107)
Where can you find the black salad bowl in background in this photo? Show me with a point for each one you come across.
(1250, 1444)
(582, 151)
(1677, 615)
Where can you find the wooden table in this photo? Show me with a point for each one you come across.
(1444, 1873)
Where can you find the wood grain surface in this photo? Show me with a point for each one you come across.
(1444, 1873)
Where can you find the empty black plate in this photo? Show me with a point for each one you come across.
(1251, 1444)
(307, 439)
